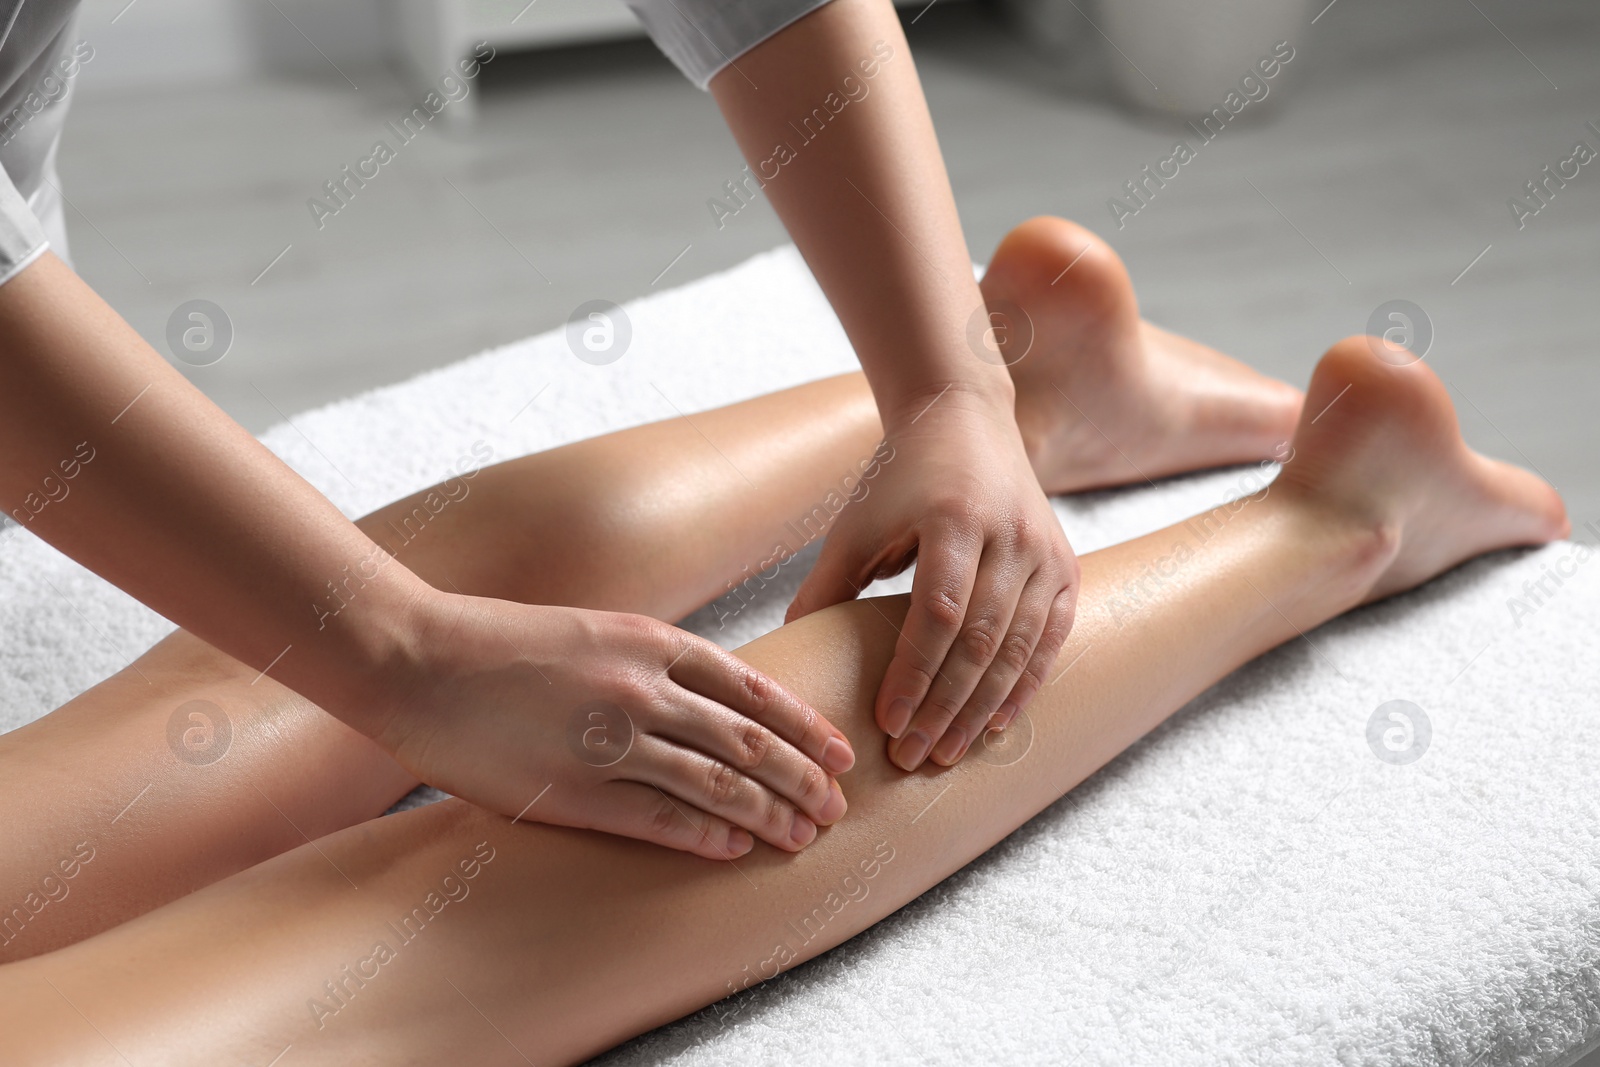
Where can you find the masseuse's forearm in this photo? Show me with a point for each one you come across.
(114, 458)
(831, 117)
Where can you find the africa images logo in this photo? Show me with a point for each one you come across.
(199, 733)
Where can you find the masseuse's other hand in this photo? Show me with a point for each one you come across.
(611, 722)
(996, 581)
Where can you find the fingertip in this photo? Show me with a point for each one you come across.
(802, 831)
(834, 807)
(739, 842)
(837, 755)
(901, 693)
(912, 750)
(897, 716)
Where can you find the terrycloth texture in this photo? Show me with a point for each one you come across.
(1250, 884)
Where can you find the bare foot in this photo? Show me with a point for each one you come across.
(1104, 398)
(1379, 443)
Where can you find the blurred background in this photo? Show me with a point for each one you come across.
(1384, 164)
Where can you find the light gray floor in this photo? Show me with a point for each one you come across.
(1384, 174)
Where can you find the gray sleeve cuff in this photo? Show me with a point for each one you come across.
(703, 36)
(22, 237)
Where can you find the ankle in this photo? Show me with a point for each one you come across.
(1360, 544)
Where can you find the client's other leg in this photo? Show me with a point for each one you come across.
(655, 520)
(471, 939)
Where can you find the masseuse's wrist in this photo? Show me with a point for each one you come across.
(982, 391)
(361, 662)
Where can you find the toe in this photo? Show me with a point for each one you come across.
(1530, 508)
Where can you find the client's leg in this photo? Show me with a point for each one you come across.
(216, 767)
(452, 935)
(203, 766)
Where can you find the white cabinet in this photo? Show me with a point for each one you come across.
(432, 35)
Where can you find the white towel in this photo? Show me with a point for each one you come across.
(1250, 884)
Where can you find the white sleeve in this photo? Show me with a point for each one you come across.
(22, 238)
(704, 36)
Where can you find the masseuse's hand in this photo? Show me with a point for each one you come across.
(612, 722)
(996, 581)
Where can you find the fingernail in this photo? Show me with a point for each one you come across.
(740, 841)
(997, 721)
(951, 745)
(837, 756)
(898, 716)
(833, 807)
(802, 831)
(913, 750)
(1008, 712)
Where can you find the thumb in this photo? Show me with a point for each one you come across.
(834, 579)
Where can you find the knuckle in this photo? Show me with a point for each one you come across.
(1023, 533)
(924, 675)
(639, 630)
(1014, 652)
(813, 783)
(976, 712)
(944, 609)
(630, 676)
(779, 816)
(810, 725)
(980, 639)
(969, 513)
(635, 686)
(953, 509)
(1032, 678)
(755, 744)
(664, 819)
(759, 690)
(943, 706)
(638, 696)
(721, 781)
